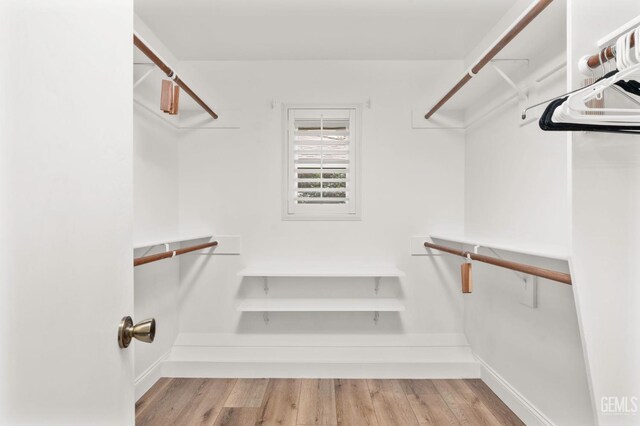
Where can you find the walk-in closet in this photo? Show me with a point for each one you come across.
(296, 213)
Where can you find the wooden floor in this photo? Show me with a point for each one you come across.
(293, 402)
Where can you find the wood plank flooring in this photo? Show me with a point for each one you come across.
(321, 402)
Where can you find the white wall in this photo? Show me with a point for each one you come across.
(230, 183)
(516, 177)
(517, 192)
(155, 146)
(155, 213)
(606, 172)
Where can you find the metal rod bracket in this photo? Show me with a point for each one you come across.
(522, 95)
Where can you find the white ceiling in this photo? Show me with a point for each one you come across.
(314, 29)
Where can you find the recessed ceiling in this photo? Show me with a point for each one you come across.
(315, 30)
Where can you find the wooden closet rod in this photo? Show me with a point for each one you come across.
(520, 267)
(155, 257)
(171, 74)
(606, 54)
(533, 11)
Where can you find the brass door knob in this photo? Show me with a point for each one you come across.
(144, 331)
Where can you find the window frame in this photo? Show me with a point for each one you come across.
(321, 212)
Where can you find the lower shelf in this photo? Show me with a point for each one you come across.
(320, 305)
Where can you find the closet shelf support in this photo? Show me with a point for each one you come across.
(521, 94)
(143, 77)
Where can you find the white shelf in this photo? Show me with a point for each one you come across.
(324, 271)
(613, 36)
(549, 252)
(320, 305)
(171, 240)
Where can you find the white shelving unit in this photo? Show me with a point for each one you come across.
(171, 240)
(321, 270)
(549, 252)
(320, 305)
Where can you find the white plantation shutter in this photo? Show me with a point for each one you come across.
(322, 167)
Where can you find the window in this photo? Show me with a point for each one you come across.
(322, 164)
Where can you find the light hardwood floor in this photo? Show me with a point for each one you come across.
(321, 402)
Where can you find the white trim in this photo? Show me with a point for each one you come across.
(150, 376)
(520, 405)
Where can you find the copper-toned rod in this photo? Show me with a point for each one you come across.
(520, 267)
(171, 74)
(606, 54)
(464, 80)
(172, 253)
(506, 39)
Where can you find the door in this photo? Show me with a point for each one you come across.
(65, 211)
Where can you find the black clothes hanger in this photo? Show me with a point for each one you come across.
(546, 119)
(547, 124)
(630, 86)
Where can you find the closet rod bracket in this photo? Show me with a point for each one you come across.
(144, 76)
(522, 95)
(522, 276)
(529, 296)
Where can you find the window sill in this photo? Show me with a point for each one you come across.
(316, 217)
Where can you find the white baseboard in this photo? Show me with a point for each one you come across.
(150, 376)
(372, 362)
(520, 405)
(320, 370)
